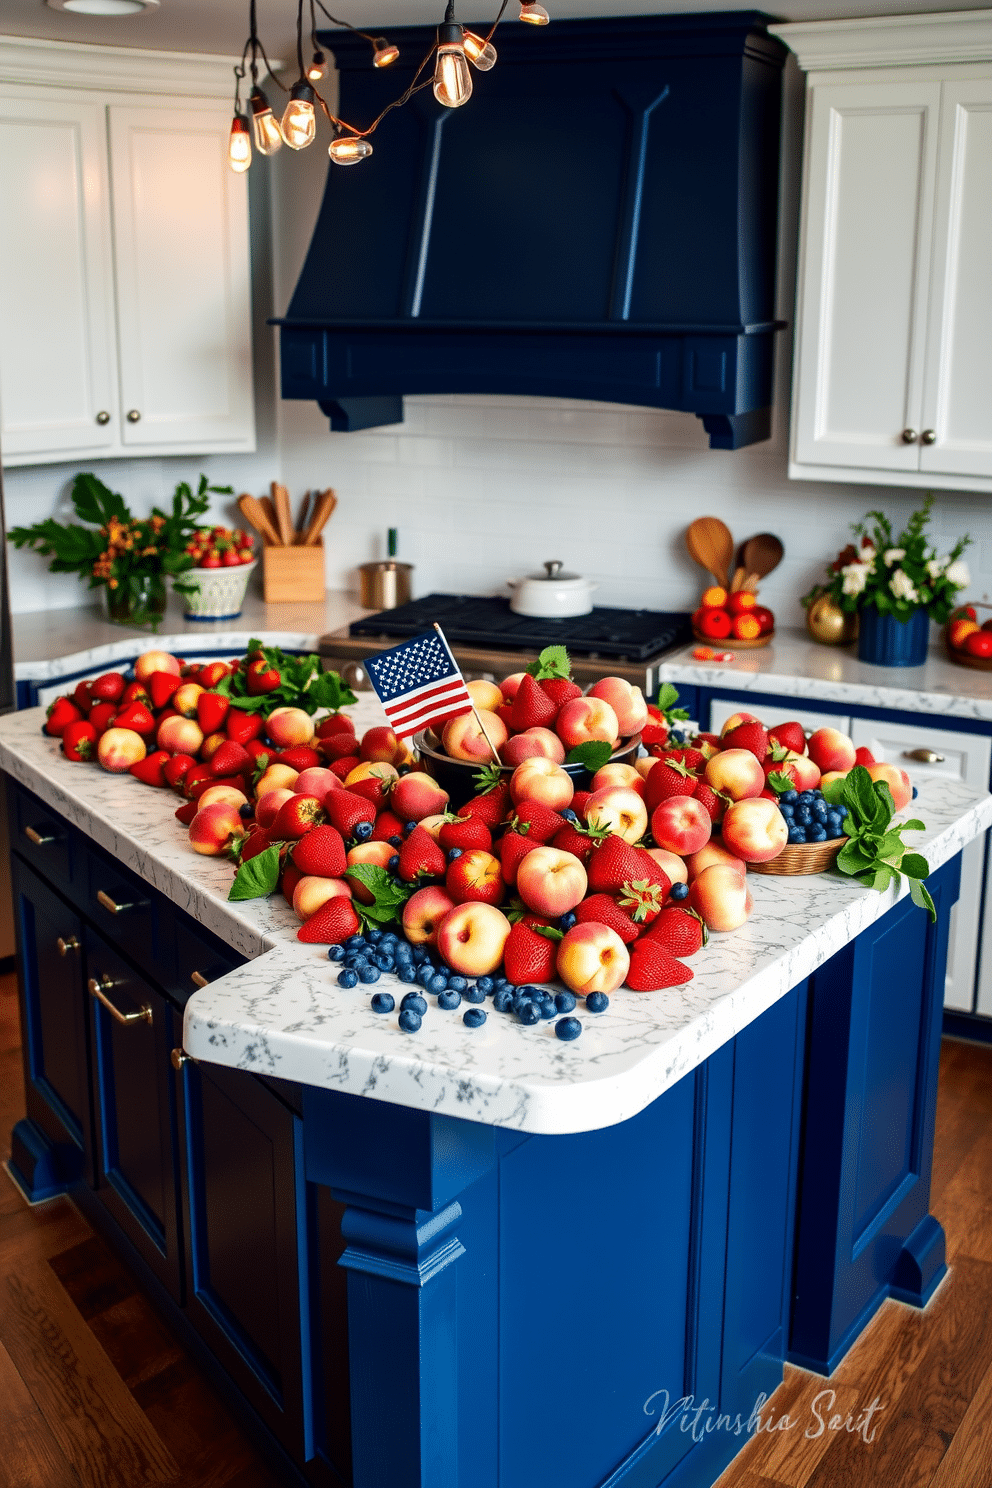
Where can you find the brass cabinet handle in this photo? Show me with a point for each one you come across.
(65, 946)
(133, 416)
(929, 436)
(144, 1014)
(909, 436)
(37, 838)
(924, 756)
(103, 417)
(110, 904)
(198, 979)
(179, 1057)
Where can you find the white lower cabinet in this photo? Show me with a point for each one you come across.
(925, 752)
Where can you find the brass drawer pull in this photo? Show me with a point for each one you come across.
(179, 1057)
(110, 904)
(144, 1015)
(198, 979)
(36, 837)
(65, 946)
(924, 756)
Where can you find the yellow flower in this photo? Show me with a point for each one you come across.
(112, 584)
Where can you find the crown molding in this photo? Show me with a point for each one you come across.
(60, 64)
(890, 41)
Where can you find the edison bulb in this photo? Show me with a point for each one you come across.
(481, 53)
(264, 125)
(385, 53)
(239, 145)
(299, 122)
(318, 67)
(534, 14)
(349, 149)
(452, 79)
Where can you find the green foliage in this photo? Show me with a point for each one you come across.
(304, 685)
(552, 662)
(259, 875)
(668, 696)
(389, 896)
(875, 853)
(594, 755)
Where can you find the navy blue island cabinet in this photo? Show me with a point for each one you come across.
(396, 1298)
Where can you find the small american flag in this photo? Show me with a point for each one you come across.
(419, 683)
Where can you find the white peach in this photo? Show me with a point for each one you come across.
(829, 749)
(417, 795)
(736, 773)
(378, 855)
(119, 749)
(618, 809)
(474, 738)
(540, 779)
(592, 958)
(735, 720)
(617, 773)
(626, 700)
(312, 891)
(379, 743)
(897, 780)
(671, 864)
(584, 720)
(681, 825)
(184, 698)
(276, 777)
(317, 781)
(288, 726)
(214, 828)
(423, 913)
(179, 735)
(486, 695)
(155, 661)
(697, 862)
(533, 743)
(721, 898)
(510, 685)
(550, 881)
(267, 805)
(228, 794)
(471, 938)
(755, 830)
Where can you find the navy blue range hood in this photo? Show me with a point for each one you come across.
(599, 221)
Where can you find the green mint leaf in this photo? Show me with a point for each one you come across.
(883, 876)
(252, 704)
(920, 895)
(548, 931)
(779, 783)
(328, 691)
(668, 696)
(859, 796)
(853, 858)
(915, 865)
(833, 792)
(258, 876)
(887, 809)
(553, 662)
(390, 896)
(594, 755)
(913, 826)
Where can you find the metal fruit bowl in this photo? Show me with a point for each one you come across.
(457, 776)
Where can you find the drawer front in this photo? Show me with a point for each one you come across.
(722, 708)
(199, 958)
(42, 837)
(122, 907)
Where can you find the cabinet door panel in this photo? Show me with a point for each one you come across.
(964, 757)
(183, 294)
(865, 273)
(57, 367)
(957, 405)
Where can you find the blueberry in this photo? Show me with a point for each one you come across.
(474, 994)
(485, 985)
(383, 1002)
(817, 833)
(548, 1010)
(386, 937)
(834, 831)
(405, 972)
(568, 920)
(395, 841)
(439, 984)
(803, 816)
(454, 853)
(787, 809)
(363, 831)
(796, 836)
(246, 812)
(409, 827)
(393, 863)
(568, 1029)
(527, 990)
(568, 814)
(473, 1017)
(841, 810)
(528, 1012)
(502, 1001)
(413, 1001)
(448, 1000)
(457, 983)
(369, 973)
(820, 809)
(354, 942)
(409, 1021)
(347, 978)
(679, 891)
(565, 1002)
(915, 794)
(420, 953)
(373, 936)
(335, 953)
(597, 1002)
(677, 737)
(385, 962)
(790, 797)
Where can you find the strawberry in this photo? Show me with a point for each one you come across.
(490, 808)
(680, 930)
(135, 692)
(668, 777)
(230, 759)
(560, 690)
(262, 678)
(177, 769)
(862, 756)
(612, 864)
(751, 736)
(196, 790)
(579, 802)
(714, 803)
(654, 733)
(512, 849)
(137, 716)
(649, 868)
(338, 746)
(82, 697)
(161, 687)
(789, 736)
(79, 740)
(579, 841)
(335, 723)
(652, 967)
(296, 817)
(194, 776)
(241, 726)
(465, 832)
(505, 714)
(603, 909)
(107, 689)
(345, 810)
(643, 899)
(151, 770)
(386, 825)
(693, 759)
(212, 709)
(374, 788)
(287, 883)
(256, 842)
(343, 767)
(332, 923)
(536, 821)
(528, 956)
(532, 707)
(186, 813)
(300, 757)
(60, 714)
(321, 851)
(101, 716)
(420, 857)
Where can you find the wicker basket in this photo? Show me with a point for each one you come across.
(730, 643)
(809, 857)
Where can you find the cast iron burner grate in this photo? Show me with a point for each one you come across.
(474, 621)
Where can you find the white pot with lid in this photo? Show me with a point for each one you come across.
(552, 595)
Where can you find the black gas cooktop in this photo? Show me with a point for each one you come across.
(473, 621)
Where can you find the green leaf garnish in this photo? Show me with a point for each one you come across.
(875, 853)
(552, 662)
(779, 782)
(668, 696)
(389, 896)
(594, 755)
(550, 932)
(258, 876)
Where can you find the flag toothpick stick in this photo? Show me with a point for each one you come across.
(482, 726)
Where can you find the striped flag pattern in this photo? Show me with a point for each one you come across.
(418, 683)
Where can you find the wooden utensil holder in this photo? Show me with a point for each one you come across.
(293, 575)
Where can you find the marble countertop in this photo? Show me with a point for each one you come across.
(794, 666)
(282, 1013)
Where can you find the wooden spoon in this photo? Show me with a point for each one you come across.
(323, 506)
(711, 545)
(760, 555)
(284, 513)
(254, 513)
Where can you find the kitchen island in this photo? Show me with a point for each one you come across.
(477, 1257)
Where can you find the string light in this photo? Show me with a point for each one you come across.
(299, 121)
(239, 144)
(318, 66)
(452, 79)
(268, 139)
(385, 54)
(349, 149)
(481, 54)
(533, 14)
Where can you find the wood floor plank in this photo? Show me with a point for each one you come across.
(29, 1455)
(964, 1207)
(968, 1459)
(93, 1277)
(964, 1108)
(42, 1231)
(90, 1412)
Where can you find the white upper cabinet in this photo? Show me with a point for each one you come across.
(125, 297)
(893, 354)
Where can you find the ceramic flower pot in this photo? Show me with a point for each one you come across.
(886, 641)
(220, 592)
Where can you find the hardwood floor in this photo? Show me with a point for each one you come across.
(95, 1392)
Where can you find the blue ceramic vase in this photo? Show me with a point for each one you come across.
(886, 641)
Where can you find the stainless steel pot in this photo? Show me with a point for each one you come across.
(384, 585)
(552, 595)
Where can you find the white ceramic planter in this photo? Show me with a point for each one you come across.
(221, 591)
